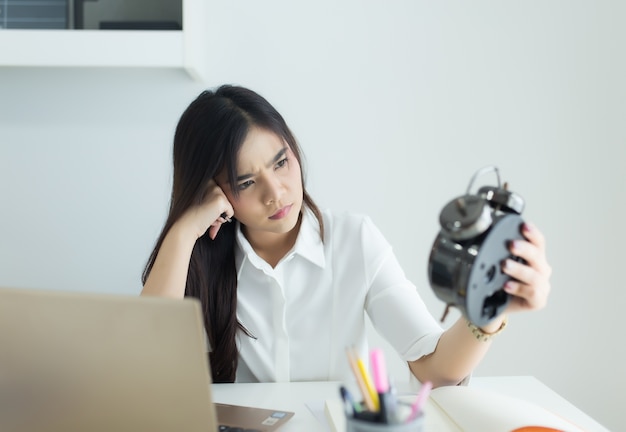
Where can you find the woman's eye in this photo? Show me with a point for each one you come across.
(245, 185)
(281, 163)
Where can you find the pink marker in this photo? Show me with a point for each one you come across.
(420, 400)
(379, 370)
(387, 401)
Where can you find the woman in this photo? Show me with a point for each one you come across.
(284, 286)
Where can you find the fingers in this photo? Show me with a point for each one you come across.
(529, 295)
(213, 230)
(218, 208)
(207, 216)
(530, 285)
(217, 224)
(533, 235)
(532, 251)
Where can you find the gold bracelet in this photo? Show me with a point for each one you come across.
(482, 335)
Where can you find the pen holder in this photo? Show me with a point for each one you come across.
(357, 425)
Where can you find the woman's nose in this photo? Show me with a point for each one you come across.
(274, 191)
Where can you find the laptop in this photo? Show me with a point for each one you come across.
(94, 362)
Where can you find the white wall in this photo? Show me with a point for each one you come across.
(396, 104)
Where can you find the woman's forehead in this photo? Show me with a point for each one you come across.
(260, 149)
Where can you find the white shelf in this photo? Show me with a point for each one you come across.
(91, 48)
(113, 48)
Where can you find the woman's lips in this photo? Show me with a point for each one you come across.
(281, 213)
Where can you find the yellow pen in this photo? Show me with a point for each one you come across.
(368, 384)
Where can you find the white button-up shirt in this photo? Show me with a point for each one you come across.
(307, 310)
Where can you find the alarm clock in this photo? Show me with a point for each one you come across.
(465, 262)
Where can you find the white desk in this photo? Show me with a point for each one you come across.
(299, 397)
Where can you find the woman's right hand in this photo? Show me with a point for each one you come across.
(168, 276)
(209, 214)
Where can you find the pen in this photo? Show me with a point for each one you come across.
(421, 398)
(368, 384)
(367, 398)
(348, 401)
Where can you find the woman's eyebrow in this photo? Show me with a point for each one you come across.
(275, 159)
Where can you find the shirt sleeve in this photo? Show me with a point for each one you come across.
(392, 302)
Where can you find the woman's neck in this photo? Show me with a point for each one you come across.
(273, 247)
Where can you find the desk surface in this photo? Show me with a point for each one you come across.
(306, 399)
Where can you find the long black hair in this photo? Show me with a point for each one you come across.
(207, 140)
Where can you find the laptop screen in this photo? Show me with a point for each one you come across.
(82, 361)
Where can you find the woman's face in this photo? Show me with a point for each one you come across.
(269, 182)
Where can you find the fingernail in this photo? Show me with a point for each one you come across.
(508, 286)
(528, 227)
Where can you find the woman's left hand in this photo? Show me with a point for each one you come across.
(530, 285)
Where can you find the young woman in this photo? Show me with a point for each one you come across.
(285, 286)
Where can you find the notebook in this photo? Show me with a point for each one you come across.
(79, 361)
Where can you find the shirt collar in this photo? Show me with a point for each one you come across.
(308, 244)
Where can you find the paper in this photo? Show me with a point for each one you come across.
(317, 408)
(335, 412)
(475, 409)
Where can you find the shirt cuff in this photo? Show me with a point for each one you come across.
(422, 347)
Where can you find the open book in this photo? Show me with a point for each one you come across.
(469, 409)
